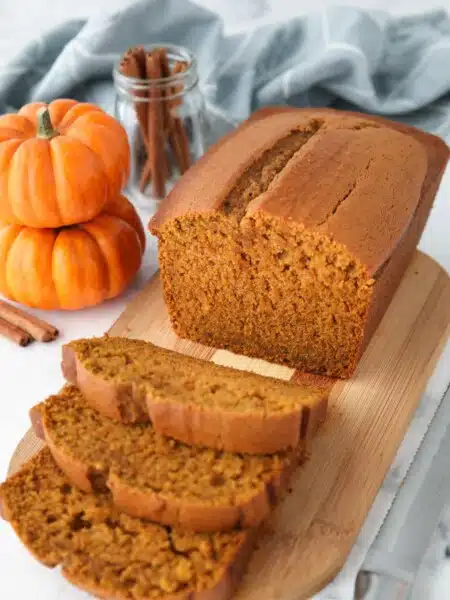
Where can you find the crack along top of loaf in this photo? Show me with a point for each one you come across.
(288, 238)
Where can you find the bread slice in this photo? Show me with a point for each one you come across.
(196, 402)
(110, 554)
(157, 478)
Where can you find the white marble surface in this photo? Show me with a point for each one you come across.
(28, 375)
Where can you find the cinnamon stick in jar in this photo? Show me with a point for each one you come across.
(165, 72)
(156, 142)
(178, 67)
(166, 140)
(178, 137)
(133, 64)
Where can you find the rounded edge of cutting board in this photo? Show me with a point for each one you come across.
(28, 446)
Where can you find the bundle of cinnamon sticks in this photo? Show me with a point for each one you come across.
(22, 328)
(163, 132)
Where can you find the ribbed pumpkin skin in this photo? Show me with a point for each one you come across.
(66, 179)
(73, 267)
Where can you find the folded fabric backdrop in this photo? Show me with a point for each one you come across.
(342, 56)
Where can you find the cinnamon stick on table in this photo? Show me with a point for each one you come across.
(14, 333)
(36, 328)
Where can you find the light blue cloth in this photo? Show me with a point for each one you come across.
(342, 56)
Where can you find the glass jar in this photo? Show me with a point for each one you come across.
(164, 118)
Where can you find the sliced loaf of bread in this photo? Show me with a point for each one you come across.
(157, 478)
(191, 400)
(110, 554)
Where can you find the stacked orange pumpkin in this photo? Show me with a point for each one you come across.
(68, 238)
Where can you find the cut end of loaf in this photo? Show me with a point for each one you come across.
(267, 289)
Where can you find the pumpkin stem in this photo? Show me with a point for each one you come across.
(45, 129)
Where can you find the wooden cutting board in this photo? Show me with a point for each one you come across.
(309, 536)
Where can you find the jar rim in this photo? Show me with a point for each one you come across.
(177, 53)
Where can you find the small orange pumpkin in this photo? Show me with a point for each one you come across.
(75, 266)
(60, 164)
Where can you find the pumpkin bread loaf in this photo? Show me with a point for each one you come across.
(194, 401)
(157, 478)
(288, 238)
(110, 554)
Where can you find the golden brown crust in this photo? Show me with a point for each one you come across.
(146, 504)
(250, 433)
(225, 166)
(86, 566)
(122, 402)
(315, 415)
(341, 153)
(313, 419)
(362, 160)
(392, 272)
(76, 471)
(36, 421)
(348, 162)
(194, 517)
(201, 517)
(230, 431)
(3, 514)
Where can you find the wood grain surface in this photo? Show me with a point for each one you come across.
(307, 540)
